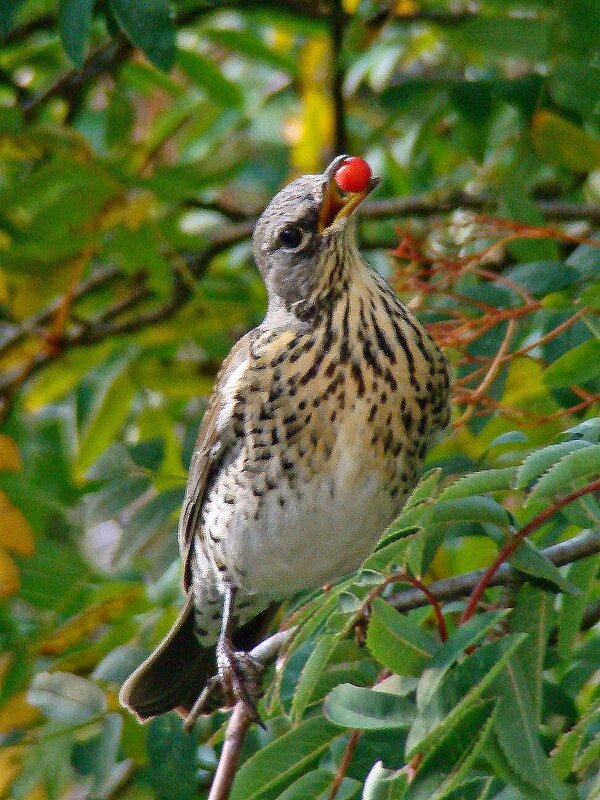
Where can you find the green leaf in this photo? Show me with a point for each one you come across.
(581, 574)
(66, 697)
(74, 21)
(471, 509)
(576, 366)
(448, 763)
(461, 688)
(517, 734)
(426, 489)
(149, 25)
(532, 614)
(531, 561)
(579, 464)
(367, 709)
(384, 784)
(311, 672)
(564, 758)
(539, 462)
(111, 407)
(210, 78)
(252, 46)
(559, 141)
(396, 642)
(171, 759)
(488, 480)
(461, 639)
(278, 763)
(309, 786)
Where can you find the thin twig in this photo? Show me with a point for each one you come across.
(344, 764)
(239, 722)
(581, 546)
(512, 544)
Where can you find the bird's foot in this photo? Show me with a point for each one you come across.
(240, 678)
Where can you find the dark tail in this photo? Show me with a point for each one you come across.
(173, 676)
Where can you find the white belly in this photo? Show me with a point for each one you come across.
(303, 537)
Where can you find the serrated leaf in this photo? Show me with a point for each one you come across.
(539, 462)
(532, 614)
(66, 697)
(579, 464)
(581, 574)
(74, 22)
(461, 687)
(471, 509)
(150, 25)
(579, 365)
(311, 672)
(396, 642)
(367, 709)
(461, 639)
(531, 561)
(488, 480)
(279, 762)
(426, 489)
(446, 764)
(517, 734)
(564, 758)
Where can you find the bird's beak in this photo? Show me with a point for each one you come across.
(337, 205)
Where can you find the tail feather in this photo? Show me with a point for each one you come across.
(173, 676)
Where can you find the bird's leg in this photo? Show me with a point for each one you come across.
(239, 672)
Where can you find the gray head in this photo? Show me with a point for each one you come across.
(303, 237)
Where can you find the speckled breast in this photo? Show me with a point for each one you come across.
(331, 425)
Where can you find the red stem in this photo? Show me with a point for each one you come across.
(437, 609)
(516, 540)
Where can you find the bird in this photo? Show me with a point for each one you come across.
(312, 440)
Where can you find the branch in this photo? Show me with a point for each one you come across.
(428, 206)
(512, 544)
(239, 722)
(581, 546)
(337, 35)
(69, 86)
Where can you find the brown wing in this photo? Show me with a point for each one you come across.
(207, 453)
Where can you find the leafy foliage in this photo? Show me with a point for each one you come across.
(138, 141)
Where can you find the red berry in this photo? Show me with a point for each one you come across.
(354, 175)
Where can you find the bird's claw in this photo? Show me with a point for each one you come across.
(240, 678)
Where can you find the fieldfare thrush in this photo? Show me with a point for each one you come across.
(312, 440)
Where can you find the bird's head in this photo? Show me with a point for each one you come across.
(303, 242)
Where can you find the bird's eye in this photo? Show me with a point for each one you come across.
(291, 237)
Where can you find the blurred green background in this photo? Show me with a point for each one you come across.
(138, 142)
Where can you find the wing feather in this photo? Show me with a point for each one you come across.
(209, 450)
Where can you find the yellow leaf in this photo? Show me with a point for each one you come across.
(17, 713)
(38, 792)
(82, 625)
(10, 458)
(405, 8)
(313, 132)
(10, 766)
(9, 576)
(559, 141)
(15, 533)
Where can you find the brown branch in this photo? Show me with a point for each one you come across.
(238, 725)
(512, 544)
(429, 205)
(69, 86)
(581, 546)
(344, 764)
